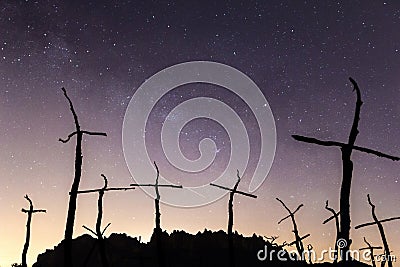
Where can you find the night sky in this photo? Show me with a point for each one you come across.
(299, 53)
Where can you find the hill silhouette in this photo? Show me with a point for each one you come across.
(181, 249)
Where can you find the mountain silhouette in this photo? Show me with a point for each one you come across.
(181, 249)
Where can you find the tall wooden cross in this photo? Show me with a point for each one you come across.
(335, 215)
(100, 233)
(371, 251)
(298, 239)
(347, 170)
(378, 223)
(232, 192)
(28, 228)
(69, 227)
(157, 230)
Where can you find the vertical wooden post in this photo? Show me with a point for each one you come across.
(69, 227)
(232, 192)
(347, 169)
(28, 229)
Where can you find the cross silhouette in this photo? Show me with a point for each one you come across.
(347, 170)
(29, 212)
(371, 250)
(335, 215)
(298, 239)
(158, 231)
(232, 192)
(381, 230)
(69, 227)
(100, 233)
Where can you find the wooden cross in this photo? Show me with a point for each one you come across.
(347, 170)
(371, 250)
(232, 192)
(381, 230)
(298, 240)
(100, 233)
(335, 215)
(157, 230)
(69, 227)
(28, 228)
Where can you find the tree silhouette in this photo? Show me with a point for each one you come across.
(298, 239)
(230, 215)
(29, 212)
(381, 231)
(272, 239)
(371, 250)
(335, 216)
(69, 228)
(100, 233)
(347, 170)
(158, 230)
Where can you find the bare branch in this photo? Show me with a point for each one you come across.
(301, 238)
(90, 230)
(284, 205)
(71, 107)
(29, 200)
(335, 214)
(94, 133)
(354, 128)
(32, 211)
(68, 137)
(381, 232)
(312, 140)
(290, 212)
(160, 185)
(231, 190)
(373, 223)
(369, 245)
(82, 132)
(156, 185)
(105, 181)
(284, 218)
(102, 233)
(272, 238)
(101, 189)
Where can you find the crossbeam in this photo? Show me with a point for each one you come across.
(101, 189)
(300, 239)
(341, 145)
(373, 223)
(369, 248)
(331, 218)
(234, 191)
(159, 185)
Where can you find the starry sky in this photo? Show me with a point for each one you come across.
(299, 53)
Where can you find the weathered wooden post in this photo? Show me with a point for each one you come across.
(69, 227)
(371, 250)
(100, 233)
(232, 191)
(378, 223)
(335, 216)
(29, 212)
(298, 239)
(157, 230)
(347, 170)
